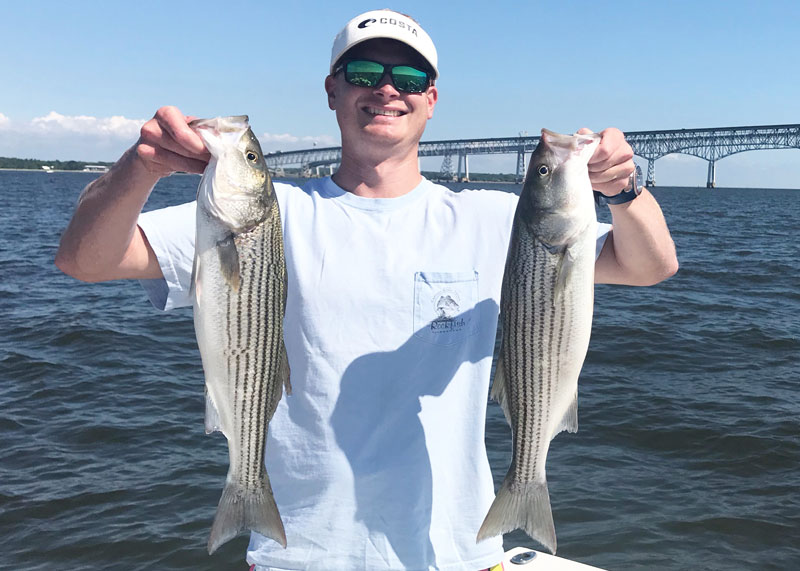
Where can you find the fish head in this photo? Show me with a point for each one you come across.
(557, 193)
(236, 187)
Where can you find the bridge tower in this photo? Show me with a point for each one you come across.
(463, 160)
(712, 172)
(651, 173)
(446, 172)
(520, 164)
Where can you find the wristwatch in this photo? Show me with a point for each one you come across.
(626, 195)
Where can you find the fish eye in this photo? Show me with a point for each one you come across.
(543, 170)
(251, 156)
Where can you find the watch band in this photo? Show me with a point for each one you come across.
(624, 196)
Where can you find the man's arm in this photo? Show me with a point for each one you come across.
(639, 249)
(102, 241)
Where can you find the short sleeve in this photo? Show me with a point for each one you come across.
(602, 233)
(171, 233)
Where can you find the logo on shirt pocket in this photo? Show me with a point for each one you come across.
(444, 306)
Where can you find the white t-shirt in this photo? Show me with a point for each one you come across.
(377, 459)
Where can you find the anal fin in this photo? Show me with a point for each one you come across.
(569, 421)
(499, 392)
(284, 372)
(213, 421)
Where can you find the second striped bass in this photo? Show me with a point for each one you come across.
(239, 293)
(546, 310)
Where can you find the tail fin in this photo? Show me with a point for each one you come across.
(521, 506)
(241, 509)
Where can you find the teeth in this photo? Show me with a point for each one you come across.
(387, 112)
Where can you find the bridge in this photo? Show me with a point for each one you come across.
(710, 144)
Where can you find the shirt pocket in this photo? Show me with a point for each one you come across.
(444, 306)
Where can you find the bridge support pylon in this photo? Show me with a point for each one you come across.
(520, 164)
(446, 172)
(651, 173)
(712, 172)
(463, 174)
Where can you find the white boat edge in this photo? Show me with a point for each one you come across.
(524, 559)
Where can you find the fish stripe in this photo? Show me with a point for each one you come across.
(533, 321)
(255, 338)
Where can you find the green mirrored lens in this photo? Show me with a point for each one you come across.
(363, 73)
(410, 79)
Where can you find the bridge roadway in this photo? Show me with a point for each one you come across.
(710, 144)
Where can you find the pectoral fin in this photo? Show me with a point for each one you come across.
(565, 266)
(229, 262)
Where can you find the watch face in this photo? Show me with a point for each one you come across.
(637, 180)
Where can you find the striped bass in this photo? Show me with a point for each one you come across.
(546, 312)
(239, 294)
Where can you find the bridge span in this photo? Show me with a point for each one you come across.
(710, 144)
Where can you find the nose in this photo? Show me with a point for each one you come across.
(385, 87)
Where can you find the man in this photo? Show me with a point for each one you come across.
(377, 460)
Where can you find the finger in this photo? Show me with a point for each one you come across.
(613, 150)
(615, 159)
(163, 162)
(622, 172)
(612, 187)
(611, 181)
(176, 124)
(152, 135)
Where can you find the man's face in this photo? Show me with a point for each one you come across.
(372, 118)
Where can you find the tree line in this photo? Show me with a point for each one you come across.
(37, 164)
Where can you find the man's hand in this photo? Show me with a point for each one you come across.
(612, 163)
(103, 240)
(167, 144)
(639, 249)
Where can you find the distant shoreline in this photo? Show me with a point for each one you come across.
(471, 181)
(49, 171)
(52, 170)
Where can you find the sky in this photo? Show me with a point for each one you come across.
(78, 79)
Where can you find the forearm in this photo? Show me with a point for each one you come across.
(639, 250)
(102, 241)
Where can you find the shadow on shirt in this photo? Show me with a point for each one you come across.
(385, 442)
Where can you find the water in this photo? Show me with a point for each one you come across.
(688, 454)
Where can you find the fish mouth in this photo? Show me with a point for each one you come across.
(222, 124)
(571, 142)
(381, 112)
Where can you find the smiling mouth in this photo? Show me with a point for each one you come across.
(383, 112)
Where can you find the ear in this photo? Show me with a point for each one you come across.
(330, 87)
(432, 96)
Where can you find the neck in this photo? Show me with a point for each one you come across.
(378, 178)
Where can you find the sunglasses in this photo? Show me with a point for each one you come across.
(366, 73)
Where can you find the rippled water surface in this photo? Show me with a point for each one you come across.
(688, 454)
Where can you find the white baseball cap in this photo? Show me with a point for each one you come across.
(385, 24)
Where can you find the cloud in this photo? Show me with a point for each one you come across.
(116, 126)
(84, 137)
(68, 137)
